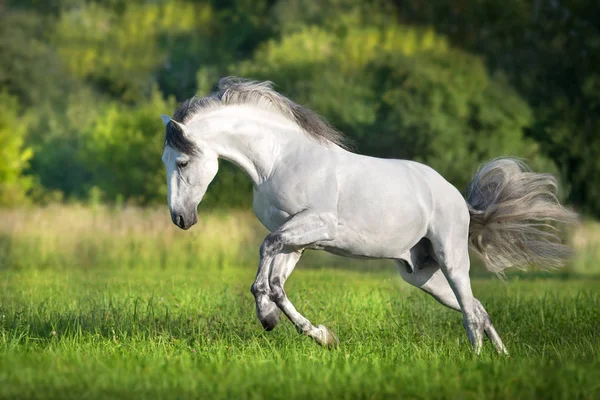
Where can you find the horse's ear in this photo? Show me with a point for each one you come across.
(165, 119)
(179, 125)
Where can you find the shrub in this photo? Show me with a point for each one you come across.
(14, 155)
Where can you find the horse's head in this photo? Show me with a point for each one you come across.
(190, 169)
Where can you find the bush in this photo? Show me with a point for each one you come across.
(124, 145)
(13, 184)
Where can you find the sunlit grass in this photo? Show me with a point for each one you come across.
(586, 240)
(98, 303)
(65, 237)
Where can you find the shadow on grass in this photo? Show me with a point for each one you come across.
(131, 318)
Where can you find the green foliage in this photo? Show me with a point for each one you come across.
(125, 144)
(397, 89)
(122, 51)
(551, 53)
(29, 66)
(58, 105)
(57, 136)
(336, 15)
(13, 153)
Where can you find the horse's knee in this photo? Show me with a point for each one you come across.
(259, 289)
(277, 292)
(266, 310)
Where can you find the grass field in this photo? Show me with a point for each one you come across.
(102, 304)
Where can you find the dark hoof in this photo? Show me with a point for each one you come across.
(269, 321)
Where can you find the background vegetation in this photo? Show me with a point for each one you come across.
(451, 83)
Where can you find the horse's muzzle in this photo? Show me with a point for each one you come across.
(183, 221)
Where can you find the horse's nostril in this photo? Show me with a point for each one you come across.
(180, 221)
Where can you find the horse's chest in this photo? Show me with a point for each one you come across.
(268, 212)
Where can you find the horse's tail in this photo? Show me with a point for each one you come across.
(515, 216)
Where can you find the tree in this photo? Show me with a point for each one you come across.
(550, 50)
(121, 50)
(30, 69)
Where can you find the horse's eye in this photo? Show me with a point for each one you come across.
(183, 164)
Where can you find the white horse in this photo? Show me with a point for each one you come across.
(311, 193)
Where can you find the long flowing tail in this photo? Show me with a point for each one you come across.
(516, 216)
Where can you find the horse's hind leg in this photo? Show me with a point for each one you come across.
(425, 273)
(449, 244)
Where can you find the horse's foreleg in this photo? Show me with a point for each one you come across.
(266, 309)
(282, 267)
(282, 248)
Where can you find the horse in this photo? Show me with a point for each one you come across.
(311, 192)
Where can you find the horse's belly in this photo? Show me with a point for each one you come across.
(387, 236)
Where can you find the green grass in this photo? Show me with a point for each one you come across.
(81, 324)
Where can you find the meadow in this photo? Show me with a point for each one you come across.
(118, 303)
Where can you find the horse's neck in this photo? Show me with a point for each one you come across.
(254, 140)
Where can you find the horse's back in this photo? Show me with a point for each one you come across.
(409, 185)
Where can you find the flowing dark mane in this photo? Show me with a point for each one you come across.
(232, 91)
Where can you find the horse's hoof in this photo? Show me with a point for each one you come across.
(270, 320)
(326, 338)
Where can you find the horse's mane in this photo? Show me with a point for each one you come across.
(237, 91)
